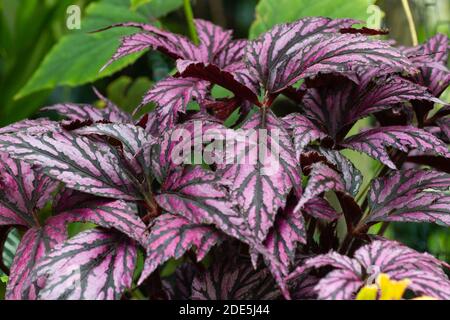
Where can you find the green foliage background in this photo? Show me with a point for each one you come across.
(42, 62)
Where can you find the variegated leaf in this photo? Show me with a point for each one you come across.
(230, 278)
(23, 191)
(404, 138)
(304, 48)
(339, 105)
(119, 215)
(289, 229)
(80, 163)
(35, 244)
(263, 172)
(408, 196)
(352, 177)
(320, 208)
(322, 178)
(172, 96)
(381, 256)
(199, 196)
(135, 141)
(171, 236)
(303, 130)
(213, 39)
(94, 265)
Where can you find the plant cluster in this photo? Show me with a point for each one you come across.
(235, 231)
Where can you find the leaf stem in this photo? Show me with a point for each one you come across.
(190, 21)
(409, 17)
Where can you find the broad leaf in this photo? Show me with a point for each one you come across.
(35, 244)
(289, 229)
(94, 265)
(408, 196)
(392, 258)
(263, 172)
(304, 131)
(171, 236)
(431, 59)
(23, 192)
(77, 58)
(271, 12)
(404, 138)
(77, 161)
(84, 112)
(213, 39)
(172, 96)
(320, 208)
(230, 278)
(288, 52)
(135, 141)
(337, 106)
(200, 197)
(322, 178)
(119, 215)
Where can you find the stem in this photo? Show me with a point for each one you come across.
(190, 21)
(409, 17)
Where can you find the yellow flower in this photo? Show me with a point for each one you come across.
(386, 289)
(391, 289)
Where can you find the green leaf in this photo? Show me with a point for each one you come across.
(137, 3)
(156, 8)
(127, 93)
(4, 279)
(77, 58)
(272, 12)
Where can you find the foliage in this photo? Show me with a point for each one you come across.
(103, 166)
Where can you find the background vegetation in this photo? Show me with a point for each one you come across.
(42, 62)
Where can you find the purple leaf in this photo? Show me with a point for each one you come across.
(34, 245)
(304, 131)
(172, 96)
(23, 192)
(352, 177)
(31, 126)
(289, 229)
(179, 285)
(213, 39)
(288, 52)
(80, 163)
(404, 138)
(320, 208)
(175, 46)
(94, 265)
(231, 55)
(392, 258)
(322, 178)
(407, 196)
(230, 278)
(339, 105)
(172, 236)
(135, 141)
(431, 59)
(240, 83)
(259, 180)
(83, 112)
(105, 213)
(200, 197)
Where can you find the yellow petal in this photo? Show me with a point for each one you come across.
(424, 298)
(391, 289)
(368, 292)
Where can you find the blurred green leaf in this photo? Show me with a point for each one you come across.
(137, 3)
(158, 8)
(77, 58)
(127, 93)
(272, 12)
